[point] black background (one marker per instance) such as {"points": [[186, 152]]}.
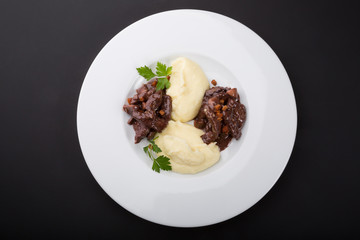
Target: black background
{"points": [[47, 191]]}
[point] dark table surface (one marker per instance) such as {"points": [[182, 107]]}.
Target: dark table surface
{"points": [[47, 191]]}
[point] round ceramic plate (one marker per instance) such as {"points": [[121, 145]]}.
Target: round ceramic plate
{"points": [[230, 53]]}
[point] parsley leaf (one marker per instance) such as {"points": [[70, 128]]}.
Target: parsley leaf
{"points": [[162, 83], [161, 162], [146, 72], [167, 84], [162, 72], [164, 162]]}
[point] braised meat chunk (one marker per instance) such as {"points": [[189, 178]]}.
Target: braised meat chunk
{"points": [[150, 110], [221, 116]]}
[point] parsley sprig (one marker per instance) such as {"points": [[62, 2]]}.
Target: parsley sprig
{"points": [[161, 162], [162, 73]]}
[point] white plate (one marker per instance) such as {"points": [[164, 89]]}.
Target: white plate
{"points": [[228, 52]]}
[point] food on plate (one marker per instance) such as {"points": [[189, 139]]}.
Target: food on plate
{"points": [[150, 110], [182, 143], [173, 96], [188, 85], [221, 116]]}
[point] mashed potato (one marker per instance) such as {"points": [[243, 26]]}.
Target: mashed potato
{"points": [[188, 153], [188, 85]]}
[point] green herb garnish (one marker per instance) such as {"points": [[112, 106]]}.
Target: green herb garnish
{"points": [[161, 162], [162, 73]]}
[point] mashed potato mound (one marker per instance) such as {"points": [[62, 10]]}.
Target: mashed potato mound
{"points": [[188, 85], [182, 143]]}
